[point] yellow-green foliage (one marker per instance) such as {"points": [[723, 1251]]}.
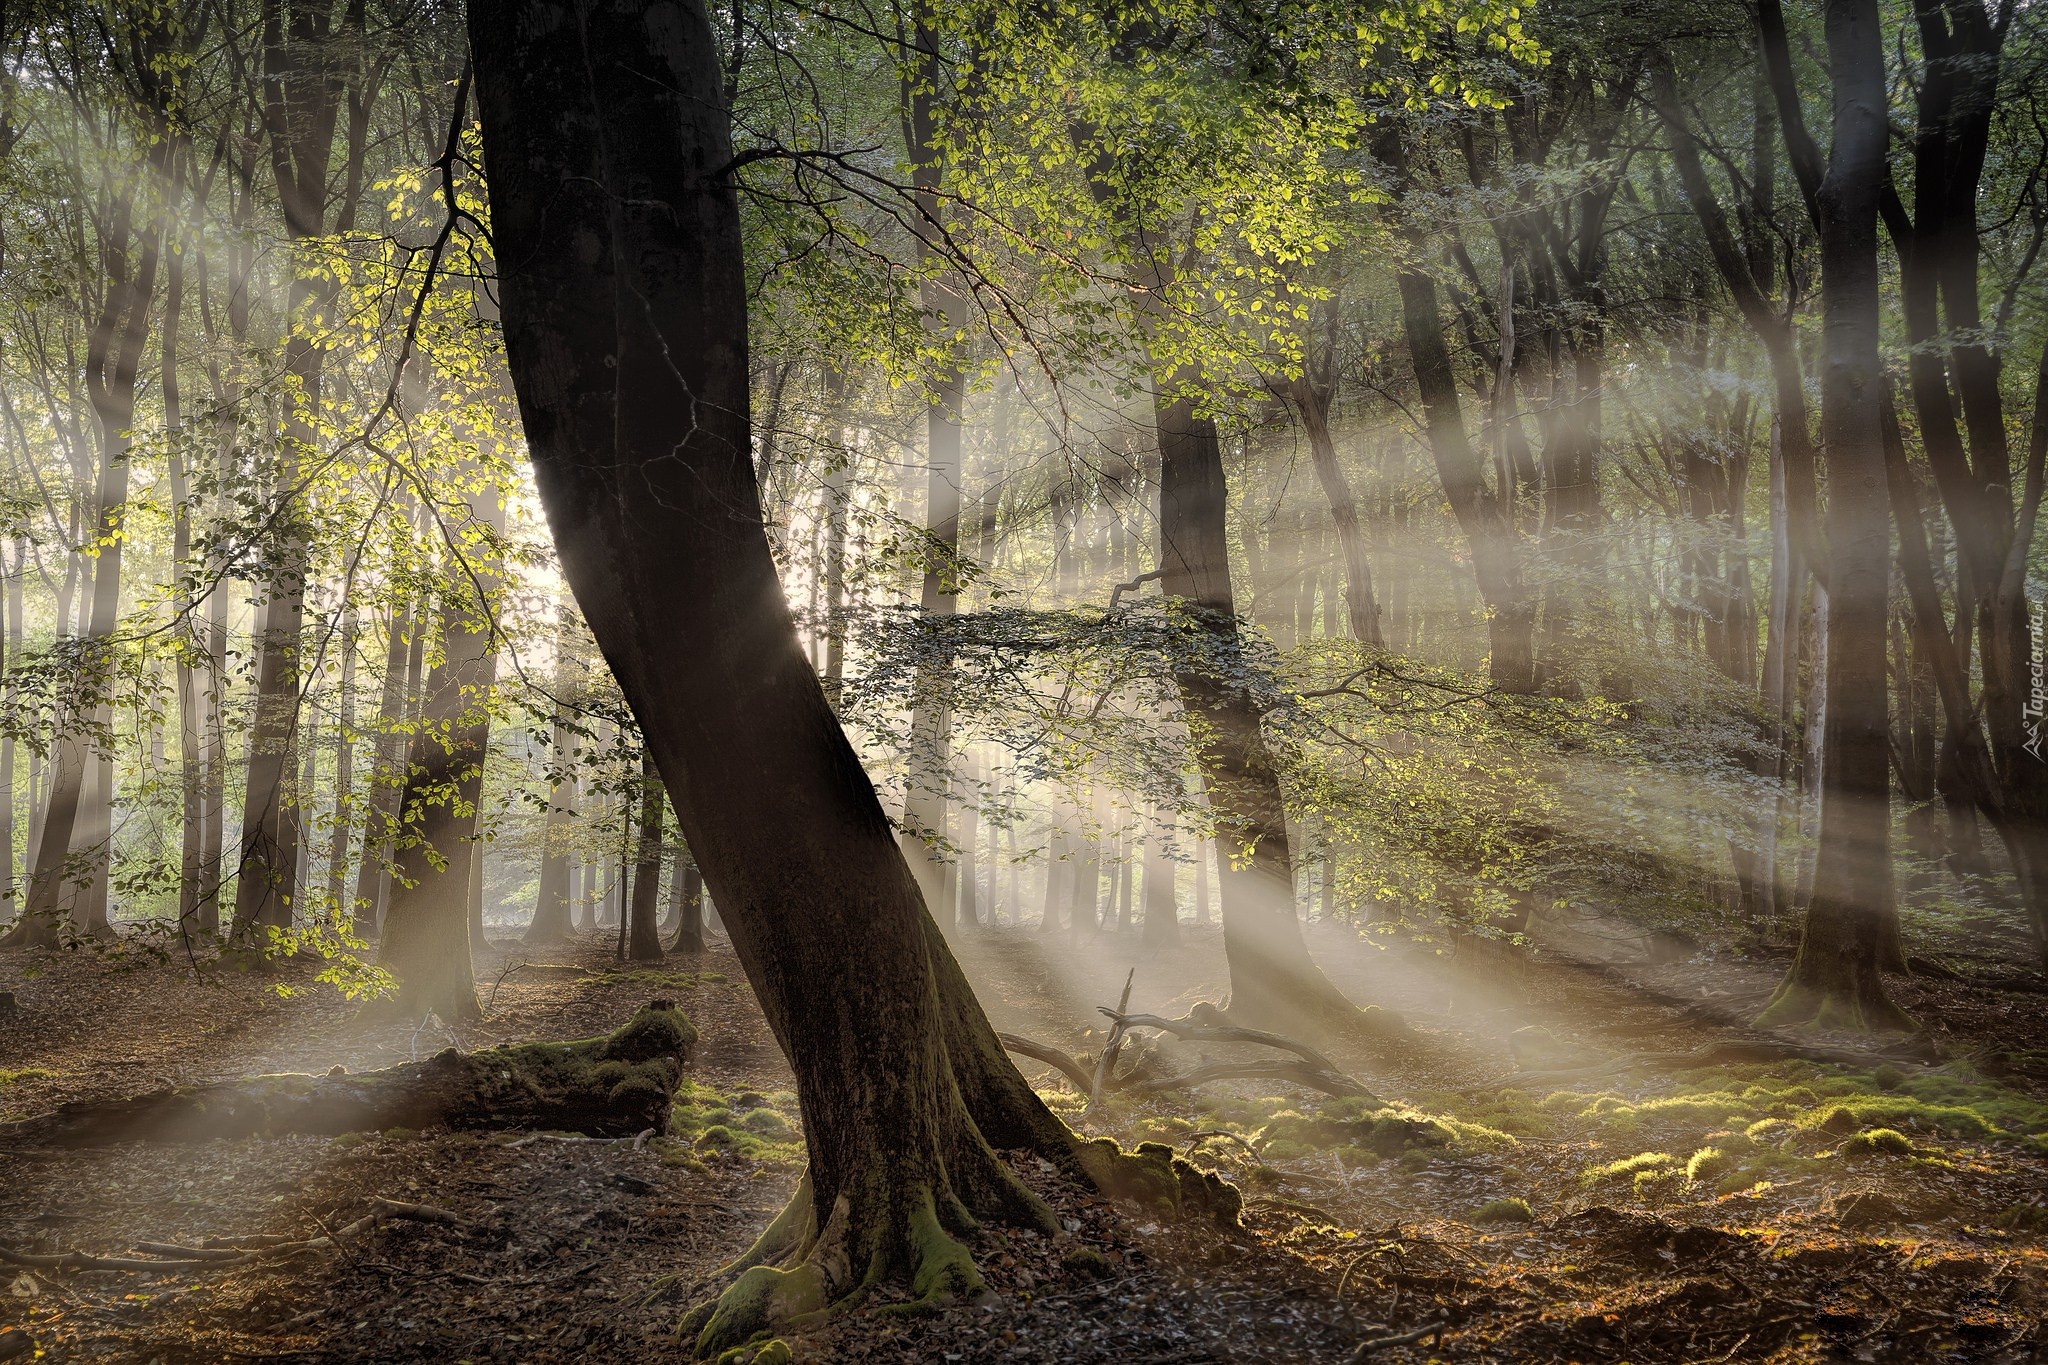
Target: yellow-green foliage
{"points": [[26, 1073]]}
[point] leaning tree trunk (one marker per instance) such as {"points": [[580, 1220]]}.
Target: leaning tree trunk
{"points": [[615, 1086], [604, 124], [1483, 514], [1837, 978], [426, 937]]}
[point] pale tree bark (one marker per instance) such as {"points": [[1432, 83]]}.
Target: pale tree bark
{"points": [[69, 873], [426, 938]]}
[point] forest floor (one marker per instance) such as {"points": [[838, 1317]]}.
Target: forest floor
{"points": [[1570, 1161]]}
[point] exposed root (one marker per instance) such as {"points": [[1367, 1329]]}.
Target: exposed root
{"points": [[798, 1272], [1153, 1176], [1850, 1010]]}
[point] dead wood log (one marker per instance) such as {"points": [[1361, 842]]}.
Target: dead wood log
{"points": [[1097, 1078], [1300, 1073], [1201, 1026], [613, 1086], [1051, 1056]]}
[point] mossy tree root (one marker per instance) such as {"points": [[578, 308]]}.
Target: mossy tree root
{"points": [[1850, 1007], [913, 1234]]}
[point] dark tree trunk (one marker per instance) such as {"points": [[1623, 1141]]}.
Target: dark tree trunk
{"points": [[967, 910], [925, 804], [312, 63], [644, 942], [129, 254], [626, 331], [344, 778], [1837, 977], [1274, 984]]}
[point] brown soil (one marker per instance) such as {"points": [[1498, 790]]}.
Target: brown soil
{"points": [[591, 1251]]}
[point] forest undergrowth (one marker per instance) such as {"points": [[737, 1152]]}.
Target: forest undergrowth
{"points": [[1590, 1172]]}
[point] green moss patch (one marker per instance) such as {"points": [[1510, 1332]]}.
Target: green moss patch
{"points": [[1505, 1211]]}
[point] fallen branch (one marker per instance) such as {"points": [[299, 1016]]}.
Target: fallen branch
{"points": [[1195, 1029], [1334, 1083], [1105, 1065], [1051, 1056], [1366, 1348], [1095, 1079]]}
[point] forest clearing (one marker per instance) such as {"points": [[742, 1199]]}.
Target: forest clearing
{"points": [[1513, 1207], [871, 680]]}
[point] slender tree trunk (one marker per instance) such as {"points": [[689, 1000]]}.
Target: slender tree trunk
{"points": [[344, 778], [645, 941], [687, 890], [1161, 907], [1837, 977], [308, 70], [967, 912], [553, 913], [1482, 513], [1361, 605], [426, 929], [387, 776], [129, 256], [1273, 981], [925, 805]]}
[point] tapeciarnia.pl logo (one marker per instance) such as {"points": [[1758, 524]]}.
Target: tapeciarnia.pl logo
{"points": [[2037, 693]]}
